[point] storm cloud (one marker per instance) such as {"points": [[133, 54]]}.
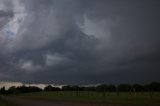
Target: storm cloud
{"points": [[80, 41]]}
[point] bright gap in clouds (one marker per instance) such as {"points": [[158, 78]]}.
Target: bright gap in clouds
{"points": [[12, 27], [98, 29]]}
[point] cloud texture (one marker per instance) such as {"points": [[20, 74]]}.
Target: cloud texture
{"points": [[80, 41]]}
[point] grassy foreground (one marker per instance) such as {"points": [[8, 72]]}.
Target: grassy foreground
{"points": [[124, 99], [6, 103]]}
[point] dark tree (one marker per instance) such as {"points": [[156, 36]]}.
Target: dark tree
{"points": [[2, 90], [111, 88], [138, 88], [102, 88], [50, 88], [12, 89], [70, 88], [124, 87], [154, 86]]}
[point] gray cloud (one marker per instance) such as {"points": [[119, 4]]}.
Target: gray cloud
{"points": [[6, 13], [4, 17], [78, 41]]}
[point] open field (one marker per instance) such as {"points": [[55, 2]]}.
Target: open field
{"points": [[2, 103], [99, 98], [6, 103]]}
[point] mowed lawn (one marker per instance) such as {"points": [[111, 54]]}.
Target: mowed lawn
{"points": [[6, 103], [124, 99], [2, 103]]}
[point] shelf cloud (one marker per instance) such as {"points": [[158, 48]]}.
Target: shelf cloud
{"points": [[79, 41]]}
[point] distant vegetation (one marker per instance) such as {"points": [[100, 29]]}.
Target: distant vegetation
{"points": [[152, 87], [116, 95]]}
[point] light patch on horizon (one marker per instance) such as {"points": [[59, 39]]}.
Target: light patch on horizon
{"points": [[7, 85]]}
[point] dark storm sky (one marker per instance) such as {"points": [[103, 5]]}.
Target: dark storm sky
{"points": [[80, 41]]}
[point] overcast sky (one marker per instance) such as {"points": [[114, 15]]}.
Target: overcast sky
{"points": [[80, 41]]}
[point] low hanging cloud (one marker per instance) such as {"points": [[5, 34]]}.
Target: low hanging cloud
{"points": [[29, 66], [55, 59], [75, 41]]}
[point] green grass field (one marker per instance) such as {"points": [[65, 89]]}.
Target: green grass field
{"points": [[124, 99], [6, 103], [2, 103]]}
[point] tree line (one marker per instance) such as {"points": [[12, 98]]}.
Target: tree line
{"points": [[152, 87]]}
